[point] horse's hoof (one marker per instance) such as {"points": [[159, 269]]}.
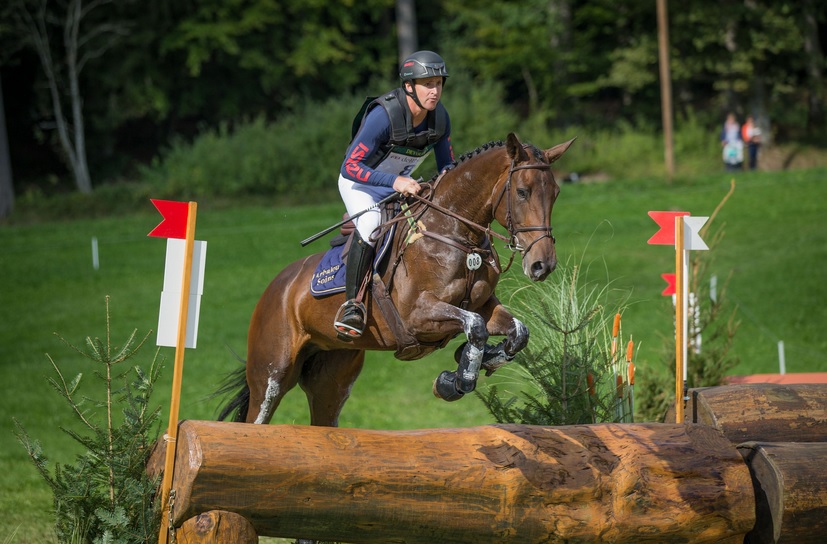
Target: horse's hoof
{"points": [[445, 387]]}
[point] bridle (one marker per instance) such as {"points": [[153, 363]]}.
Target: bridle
{"points": [[512, 243]]}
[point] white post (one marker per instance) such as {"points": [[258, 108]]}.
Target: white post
{"points": [[713, 288], [95, 261], [782, 364]]}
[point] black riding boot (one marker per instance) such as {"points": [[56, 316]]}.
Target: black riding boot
{"points": [[350, 320]]}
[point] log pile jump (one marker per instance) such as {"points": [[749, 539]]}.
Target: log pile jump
{"points": [[636, 482]]}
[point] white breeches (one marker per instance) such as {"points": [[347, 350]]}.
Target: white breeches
{"points": [[357, 199]]}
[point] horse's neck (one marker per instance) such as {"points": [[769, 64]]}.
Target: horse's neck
{"points": [[468, 189]]}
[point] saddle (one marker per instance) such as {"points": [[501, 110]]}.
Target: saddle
{"points": [[329, 276], [329, 279]]}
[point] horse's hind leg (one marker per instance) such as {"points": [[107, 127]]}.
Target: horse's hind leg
{"points": [[267, 389], [272, 370], [326, 379]]}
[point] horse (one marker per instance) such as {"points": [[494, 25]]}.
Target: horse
{"points": [[437, 282]]}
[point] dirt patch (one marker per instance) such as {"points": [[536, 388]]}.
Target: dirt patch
{"points": [[791, 157]]}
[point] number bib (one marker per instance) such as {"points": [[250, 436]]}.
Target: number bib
{"points": [[401, 161]]}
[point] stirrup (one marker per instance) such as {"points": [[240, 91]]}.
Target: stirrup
{"points": [[346, 331]]}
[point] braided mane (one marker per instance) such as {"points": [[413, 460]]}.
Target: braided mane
{"points": [[469, 155]]}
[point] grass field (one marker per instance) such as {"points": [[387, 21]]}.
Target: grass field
{"points": [[775, 247]]}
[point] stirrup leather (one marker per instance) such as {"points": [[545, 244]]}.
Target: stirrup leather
{"points": [[347, 331]]}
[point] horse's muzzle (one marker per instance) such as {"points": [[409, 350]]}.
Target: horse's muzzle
{"points": [[539, 270]]}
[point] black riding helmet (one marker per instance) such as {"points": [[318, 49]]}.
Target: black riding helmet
{"points": [[420, 65]]}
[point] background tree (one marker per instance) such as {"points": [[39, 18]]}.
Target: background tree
{"points": [[66, 37], [196, 65], [406, 30], [6, 185]]}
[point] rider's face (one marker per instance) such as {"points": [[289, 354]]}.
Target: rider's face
{"points": [[429, 91]]}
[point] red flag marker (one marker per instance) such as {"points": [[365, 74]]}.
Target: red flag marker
{"points": [[174, 223], [670, 288], [666, 222]]}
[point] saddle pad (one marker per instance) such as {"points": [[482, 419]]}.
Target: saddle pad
{"points": [[329, 276]]}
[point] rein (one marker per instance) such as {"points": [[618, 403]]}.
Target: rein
{"points": [[511, 241], [475, 253]]}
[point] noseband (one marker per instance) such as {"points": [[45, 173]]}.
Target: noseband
{"points": [[514, 244]]}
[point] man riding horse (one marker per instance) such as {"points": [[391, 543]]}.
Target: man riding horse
{"points": [[391, 141]]}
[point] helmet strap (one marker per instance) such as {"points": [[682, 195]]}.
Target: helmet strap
{"points": [[412, 92]]}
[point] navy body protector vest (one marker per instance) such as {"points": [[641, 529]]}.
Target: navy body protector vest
{"points": [[402, 131]]}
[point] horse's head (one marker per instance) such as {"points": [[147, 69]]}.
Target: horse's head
{"points": [[525, 203]]}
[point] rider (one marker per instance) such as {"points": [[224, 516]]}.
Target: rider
{"points": [[390, 143]]}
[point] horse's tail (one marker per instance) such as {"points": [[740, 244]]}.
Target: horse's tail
{"points": [[235, 383]]}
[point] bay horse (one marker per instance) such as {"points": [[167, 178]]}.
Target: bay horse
{"points": [[438, 282]]}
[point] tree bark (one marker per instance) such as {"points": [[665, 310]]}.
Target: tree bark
{"points": [[503, 483]]}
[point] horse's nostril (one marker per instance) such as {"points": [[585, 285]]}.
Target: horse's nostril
{"points": [[541, 269]]}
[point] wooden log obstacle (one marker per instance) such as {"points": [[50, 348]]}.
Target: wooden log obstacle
{"points": [[781, 430], [636, 482]]}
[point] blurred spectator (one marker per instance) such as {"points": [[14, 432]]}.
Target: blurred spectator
{"points": [[732, 143], [751, 134]]}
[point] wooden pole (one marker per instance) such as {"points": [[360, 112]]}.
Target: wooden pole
{"points": [[680, 319], [177, 376], [665, 87], [790, 491], [216, 527], [765, 412], [632, 482]]}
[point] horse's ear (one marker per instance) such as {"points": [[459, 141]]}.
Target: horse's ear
{"points": [[557, 151], [515, 148]]}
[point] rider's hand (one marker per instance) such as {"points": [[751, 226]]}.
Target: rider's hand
{"points": [[406, 186]]}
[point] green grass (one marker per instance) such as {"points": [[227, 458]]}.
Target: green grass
{"points": [[775, 246]]}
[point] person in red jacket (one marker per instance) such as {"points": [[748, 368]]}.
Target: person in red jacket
{"points": [[751, 135]]}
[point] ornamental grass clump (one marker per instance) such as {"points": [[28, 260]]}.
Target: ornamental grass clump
{"points": [[571, 372], [105, 496]]}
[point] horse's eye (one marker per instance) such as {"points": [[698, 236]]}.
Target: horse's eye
{"points": [[523, 194]]}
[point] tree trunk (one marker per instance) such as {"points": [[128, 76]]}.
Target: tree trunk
{"points": [[6, 181], [814, 62], [503, 483], [80, 166], [406, 29]]}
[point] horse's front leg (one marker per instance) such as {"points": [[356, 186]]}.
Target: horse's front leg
{"points": [[452, 386], [500, 322]]}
